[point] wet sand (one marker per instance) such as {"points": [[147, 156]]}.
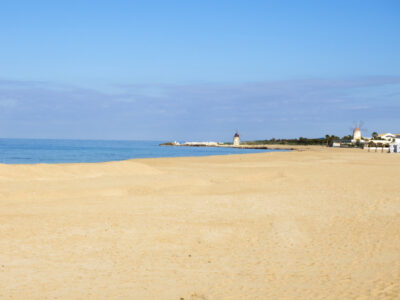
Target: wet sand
{"points": [[319, 223]]}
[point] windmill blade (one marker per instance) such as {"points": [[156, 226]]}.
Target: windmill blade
{"points": [[363, 129]]}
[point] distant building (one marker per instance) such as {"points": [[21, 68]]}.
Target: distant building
{"points": [[357, 134], [387, 136], [236, 139], [394, 146], [387, 142]]}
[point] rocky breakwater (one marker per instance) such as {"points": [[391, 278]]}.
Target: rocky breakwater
{"points": [[213, 144], [193, 144]]}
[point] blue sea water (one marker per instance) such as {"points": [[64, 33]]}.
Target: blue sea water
{"points": [[33, 151]]}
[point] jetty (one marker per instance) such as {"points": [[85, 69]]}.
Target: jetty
{"points": [[214, 144], [235, 144]]}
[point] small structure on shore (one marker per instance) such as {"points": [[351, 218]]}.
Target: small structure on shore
{"points": [[394, 147], [236, 139]]}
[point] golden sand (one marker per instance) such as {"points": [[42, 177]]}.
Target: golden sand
{"points": [[314, 224]]}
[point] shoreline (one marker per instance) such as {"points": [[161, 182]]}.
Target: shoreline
{"points": [[267, 147], [286, 148], [213, 154], [228, 146]]}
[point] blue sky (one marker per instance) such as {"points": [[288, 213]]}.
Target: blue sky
{"points": [[198, 69]]}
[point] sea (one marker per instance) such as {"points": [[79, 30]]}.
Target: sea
{"points": [[52, 151]]}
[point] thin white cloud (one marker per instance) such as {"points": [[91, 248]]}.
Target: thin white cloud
{"points": [[202, 110], [7, 103]]}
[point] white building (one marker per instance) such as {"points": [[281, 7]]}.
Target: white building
{"points": [[357, 135], [394, 147], [388, 141], [387, 136], [236, 139]]}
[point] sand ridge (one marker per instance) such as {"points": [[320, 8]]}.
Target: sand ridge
{"points": [[317, 223]]}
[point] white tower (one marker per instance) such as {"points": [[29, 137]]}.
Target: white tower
{"points": [[357, 134], [236, 139]]}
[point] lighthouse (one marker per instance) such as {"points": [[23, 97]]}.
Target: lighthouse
{"points": [[236, 139]]}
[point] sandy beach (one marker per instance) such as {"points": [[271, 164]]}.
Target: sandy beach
{"points": [[317, 223]]}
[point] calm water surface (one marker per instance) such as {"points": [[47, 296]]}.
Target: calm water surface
{"points": [[33, 151]]}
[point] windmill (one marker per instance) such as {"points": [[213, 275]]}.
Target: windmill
{"points": [[357, 129]]}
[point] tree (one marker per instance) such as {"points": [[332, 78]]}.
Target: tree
{"points": [[327, 139], [374, 135], [347, 137]]}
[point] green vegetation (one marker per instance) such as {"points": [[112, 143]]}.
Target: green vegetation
{"points": [[347, 137], [327, 140]]}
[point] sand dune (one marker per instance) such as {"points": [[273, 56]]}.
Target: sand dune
{"points": [[314, 224]]}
